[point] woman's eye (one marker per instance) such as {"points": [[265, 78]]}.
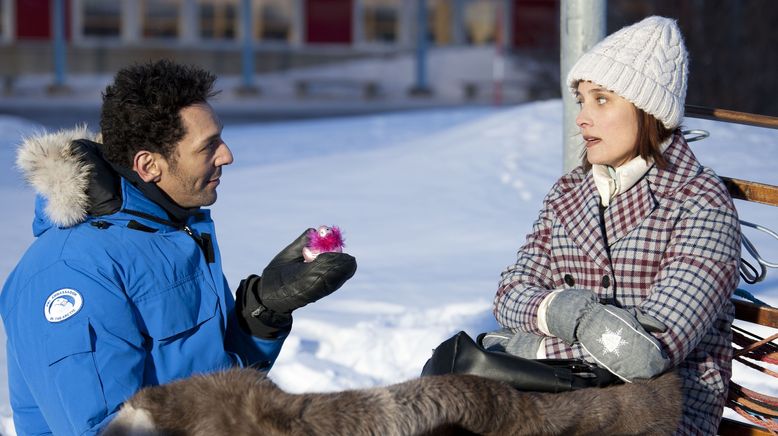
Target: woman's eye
{"points": [[601, 100]]}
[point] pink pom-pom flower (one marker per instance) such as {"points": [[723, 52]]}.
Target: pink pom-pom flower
{"points": [[322, 240]]}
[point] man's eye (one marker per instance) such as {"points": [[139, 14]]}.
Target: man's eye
{"points": [[602, 100]]}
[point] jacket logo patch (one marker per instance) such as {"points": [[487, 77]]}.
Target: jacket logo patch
{"points": [[62, 304]]}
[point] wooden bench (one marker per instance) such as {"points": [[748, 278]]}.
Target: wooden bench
{"points": [[326, 86], [749, 349]]}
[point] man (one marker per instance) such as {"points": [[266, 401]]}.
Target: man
{"points": [[123, 286]]}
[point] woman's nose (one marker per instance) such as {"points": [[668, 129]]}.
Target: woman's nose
{"points": [[583, 118]]}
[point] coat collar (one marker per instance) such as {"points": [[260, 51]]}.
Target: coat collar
{"points": [[578, 210], [578, 207], [682, 167], [73, 182], [149, 199]]}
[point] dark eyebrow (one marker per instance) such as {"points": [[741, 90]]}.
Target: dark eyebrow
{"points": [[213, 138]]}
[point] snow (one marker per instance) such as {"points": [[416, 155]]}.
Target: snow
{"points": [[432, 203]]}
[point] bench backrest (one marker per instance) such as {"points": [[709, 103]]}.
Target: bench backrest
{"points": [[751, 191]]}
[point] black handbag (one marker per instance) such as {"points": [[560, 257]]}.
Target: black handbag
{"points": [[461, 355]]}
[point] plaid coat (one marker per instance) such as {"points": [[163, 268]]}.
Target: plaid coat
{"points": [[669, 246]]}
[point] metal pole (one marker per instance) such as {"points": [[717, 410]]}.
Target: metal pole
{"points": [[59, 44], [420, 88], [581, 26], [248, 49]]}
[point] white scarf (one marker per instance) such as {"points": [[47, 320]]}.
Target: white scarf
{"points": [[611, 182]]}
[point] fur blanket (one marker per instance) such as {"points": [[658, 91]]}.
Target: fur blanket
{"points": [[246, 402]]}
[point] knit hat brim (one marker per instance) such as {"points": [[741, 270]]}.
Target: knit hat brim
{"points": [[640, 90]]}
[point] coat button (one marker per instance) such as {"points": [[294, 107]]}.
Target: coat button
{"points": [[569, 280], [606, 281]]}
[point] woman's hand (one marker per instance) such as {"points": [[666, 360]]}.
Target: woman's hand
{"points": [[616, 338]]}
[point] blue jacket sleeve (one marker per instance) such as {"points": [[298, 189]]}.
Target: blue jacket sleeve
{"points": [[69, 371], [27, 416]]}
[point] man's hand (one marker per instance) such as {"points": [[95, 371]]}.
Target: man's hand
{"points": [[264, 304], [289, 283]]}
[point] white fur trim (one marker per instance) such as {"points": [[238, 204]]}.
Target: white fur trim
{"points": [[57, 172], [133, 422]]}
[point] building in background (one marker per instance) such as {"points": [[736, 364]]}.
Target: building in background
{"points": [[103, 35], [732, 45]]}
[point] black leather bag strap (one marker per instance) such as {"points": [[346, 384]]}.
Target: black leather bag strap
{"points": [[461, 355]]}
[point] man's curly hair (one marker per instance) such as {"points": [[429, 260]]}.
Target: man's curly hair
{"points": [[141, 108]]}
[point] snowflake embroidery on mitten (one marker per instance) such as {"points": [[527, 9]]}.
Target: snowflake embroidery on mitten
{"points": [[611, 341]]}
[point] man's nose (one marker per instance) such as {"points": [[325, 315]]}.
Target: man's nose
{"points": [[224, 155]]}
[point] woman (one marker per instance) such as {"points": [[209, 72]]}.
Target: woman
{"points": [[634, 257]]}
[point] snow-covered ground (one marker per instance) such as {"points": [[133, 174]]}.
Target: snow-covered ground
{"points": [[433, 204]]}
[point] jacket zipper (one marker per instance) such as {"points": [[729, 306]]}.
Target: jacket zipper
{"points": [[203, 240]]}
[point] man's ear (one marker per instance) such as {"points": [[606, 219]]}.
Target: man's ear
{"points": [[148, 165]]}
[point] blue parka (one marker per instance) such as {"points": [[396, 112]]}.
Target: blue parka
{"points": [[96, 310]]}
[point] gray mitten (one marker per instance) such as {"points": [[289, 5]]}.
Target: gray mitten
{"points": [[617, 341], [651, 324], [566, 310], [520, 343]]}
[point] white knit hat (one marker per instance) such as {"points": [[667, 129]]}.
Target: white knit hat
{"points": [[646, 63]]}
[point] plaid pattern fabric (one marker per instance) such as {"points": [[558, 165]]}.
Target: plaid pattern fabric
{"points": [[673, 248]]}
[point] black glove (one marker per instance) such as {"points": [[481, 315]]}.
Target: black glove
{"points": [[288, 283], [254, 318]]}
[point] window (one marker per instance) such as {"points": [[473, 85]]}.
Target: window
{"points": [[160, 18], [380, 20], [218, 18], [273, 20], [439, 14], [480, 18], [101, 18]]}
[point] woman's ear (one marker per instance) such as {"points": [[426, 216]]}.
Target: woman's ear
{"points": [[148, 165]]}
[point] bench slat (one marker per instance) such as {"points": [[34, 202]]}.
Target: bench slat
{"points": [[731, 116], [752, 191], [750, 312]]}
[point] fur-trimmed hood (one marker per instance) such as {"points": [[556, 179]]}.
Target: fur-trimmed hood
{"points": [[74, 182], [59, 171]]}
